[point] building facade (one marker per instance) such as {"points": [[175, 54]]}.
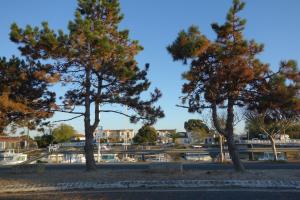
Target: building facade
{"points": [[9, 143], [165, 135], [21, 142], [119, 135], [78, 137], [182, 138]]}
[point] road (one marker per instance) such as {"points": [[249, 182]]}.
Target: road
{"points": [[181, 194], [186, 166]]}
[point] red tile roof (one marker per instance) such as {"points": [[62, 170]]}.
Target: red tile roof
{"points": [[10, 139]]}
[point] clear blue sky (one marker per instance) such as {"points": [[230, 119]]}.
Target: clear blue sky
{"points": [[155, 23]]}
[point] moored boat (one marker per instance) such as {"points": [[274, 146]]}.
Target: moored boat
{"points": [[11, 158]]}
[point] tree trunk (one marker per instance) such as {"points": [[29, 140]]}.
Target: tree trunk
{"points": [[274, 148], [234, 154], [221, 148], [228, 133], [233, 151], [89, 146], [89, 150]]}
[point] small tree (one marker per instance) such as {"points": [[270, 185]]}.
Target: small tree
{"points": [[223, 73], [146, 135], [197, 128], [44, 140], [63, 133], [222, 123], [24, 96], [97, 61]]}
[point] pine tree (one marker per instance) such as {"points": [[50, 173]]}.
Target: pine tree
{"points": [[24, 96], [223, 73], [276, 106], [97, 62]]}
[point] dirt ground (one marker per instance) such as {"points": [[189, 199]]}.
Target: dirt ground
{"points": [[59, 176]]}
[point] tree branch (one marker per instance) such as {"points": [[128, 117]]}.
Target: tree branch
{"points": [[216, 120], [118, 112], [202, 107], [121, 113], [64, 120], [70, 112]]}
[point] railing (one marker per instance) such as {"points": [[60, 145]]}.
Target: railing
{"points": [[289, 142], [81, 144], [72, 144], [266, 142]]}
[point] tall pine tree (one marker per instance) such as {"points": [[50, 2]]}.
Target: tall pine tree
{"points": [[97, 61], [223, 73]]}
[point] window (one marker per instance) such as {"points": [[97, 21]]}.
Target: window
{"points": [[2, 145]]}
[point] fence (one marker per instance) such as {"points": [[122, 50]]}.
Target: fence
{"points": [[286, 142]]}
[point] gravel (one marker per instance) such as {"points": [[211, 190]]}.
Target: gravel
{"points": [[42, 176]]}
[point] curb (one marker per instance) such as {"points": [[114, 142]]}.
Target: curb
{"points": [[259, 184]]}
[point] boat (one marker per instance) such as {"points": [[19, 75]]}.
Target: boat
{"points": [[108, 158], [11, 158], [66, 158], [198, 157], [157, 158], [270, 156], [128, 159]]}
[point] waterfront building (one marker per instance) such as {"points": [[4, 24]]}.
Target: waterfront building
{"points": [[165, 135]]}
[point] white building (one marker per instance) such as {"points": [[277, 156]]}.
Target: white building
{"points": [[119, 135], [165, 135], [182, 138]]}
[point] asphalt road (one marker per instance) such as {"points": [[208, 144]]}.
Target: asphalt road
{"points": [[185, 194]]}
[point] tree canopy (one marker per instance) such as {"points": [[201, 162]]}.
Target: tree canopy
{"points": [[276, 108], [44, 140], [24, 96], [146, 135], [277, 102], [63, 133]]}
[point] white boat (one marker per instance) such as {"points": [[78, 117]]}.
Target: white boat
{"points": [[110, 158], [198, 157], [75, 158], [128, 159], [157, 158], [270, 156], [12, 158], [105, 147], [66, 158]]}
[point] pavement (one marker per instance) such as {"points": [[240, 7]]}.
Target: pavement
{"points": [[158, 189], [151, 184], [161, 194]]}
